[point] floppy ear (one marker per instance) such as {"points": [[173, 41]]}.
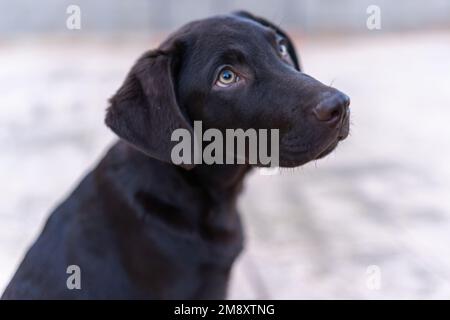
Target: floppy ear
{"points": [[266, 23], [144, 111]]}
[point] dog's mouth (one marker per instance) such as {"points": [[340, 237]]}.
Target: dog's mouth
{"points": [[295, 154], [343, 134], [327, 150]]}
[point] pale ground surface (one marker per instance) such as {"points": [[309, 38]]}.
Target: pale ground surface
{"points": [[383, 198]]}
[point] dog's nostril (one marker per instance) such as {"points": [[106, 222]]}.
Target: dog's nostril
{"points": [[332, 108], [328, 111], [335, 114]]}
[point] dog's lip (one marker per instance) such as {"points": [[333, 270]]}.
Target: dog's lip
{"points": [[328, 149], [344, 130], [345, 127], [343, 133]]}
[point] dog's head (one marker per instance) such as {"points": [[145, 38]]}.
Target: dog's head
{"points": [[232, 71]]}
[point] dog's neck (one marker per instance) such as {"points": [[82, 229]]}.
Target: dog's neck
{"points": [[203, 198], [221, 178], [221, 185]]}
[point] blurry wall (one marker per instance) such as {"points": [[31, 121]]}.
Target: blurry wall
{"points": [[118, 16]]}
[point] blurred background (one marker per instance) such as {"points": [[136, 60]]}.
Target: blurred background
{"points": [[370, 221]]}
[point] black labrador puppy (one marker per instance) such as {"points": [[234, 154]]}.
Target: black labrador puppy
{"points": [[140, 227]]}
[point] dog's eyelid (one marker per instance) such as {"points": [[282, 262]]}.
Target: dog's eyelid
{"points": [[272, 31], [277, 40], [276, 35], [238, 76], [282, 41], [238, 71], [272, 36]]}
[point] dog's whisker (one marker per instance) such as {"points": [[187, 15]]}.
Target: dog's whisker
{"points": [[332, 82]]}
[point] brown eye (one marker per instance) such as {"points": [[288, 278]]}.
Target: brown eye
{"points": [[226, 78]]}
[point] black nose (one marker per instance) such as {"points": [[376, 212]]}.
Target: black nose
{"points": [[332, 109]]}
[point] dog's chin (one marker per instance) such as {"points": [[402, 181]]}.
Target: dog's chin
{"points": [[297, 160], [343, 134], [306, 157], [327, 150]]}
